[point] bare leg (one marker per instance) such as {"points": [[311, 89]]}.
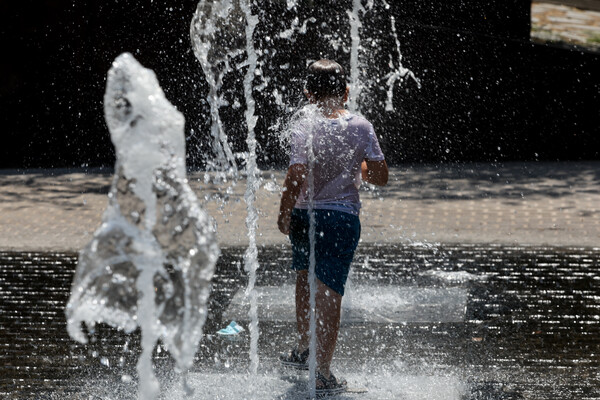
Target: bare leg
{"points": [[329, 305], [303, 310]]}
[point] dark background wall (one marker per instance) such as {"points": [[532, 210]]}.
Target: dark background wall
{"points": [[488, 93]]}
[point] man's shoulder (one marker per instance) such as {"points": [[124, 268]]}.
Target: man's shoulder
{"points": [[359, 122]]}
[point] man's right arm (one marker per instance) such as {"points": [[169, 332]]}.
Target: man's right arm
{"points": [[291, 190]]}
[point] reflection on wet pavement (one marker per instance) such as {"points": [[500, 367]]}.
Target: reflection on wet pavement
{"points": [[364, 303], [518, 323]]}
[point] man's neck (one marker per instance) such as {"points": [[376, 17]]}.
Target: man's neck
{"points": [[332, 111]]}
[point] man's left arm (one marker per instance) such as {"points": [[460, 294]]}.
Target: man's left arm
{"points": [[375, 172]]}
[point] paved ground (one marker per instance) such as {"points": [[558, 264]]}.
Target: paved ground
{"points": [[556, 204], [566, 24], [504, 307], [448, 322]]}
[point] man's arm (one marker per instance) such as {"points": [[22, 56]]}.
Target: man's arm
{"points": [[375, 172], [291, 190]]}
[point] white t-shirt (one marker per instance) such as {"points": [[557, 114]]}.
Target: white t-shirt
{"points": [[339, 145]]}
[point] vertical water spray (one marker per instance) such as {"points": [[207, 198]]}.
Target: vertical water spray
{"points": [[252, 184], [296, 27], [150, 263], [312, 360], [221, 31], [356, 84], [306, 120], [217, 38], [398, 71]]}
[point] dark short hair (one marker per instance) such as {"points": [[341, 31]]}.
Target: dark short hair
{"points": [[326, 78]]}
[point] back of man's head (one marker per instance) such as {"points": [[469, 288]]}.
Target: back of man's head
{"points": [[326, 78]]}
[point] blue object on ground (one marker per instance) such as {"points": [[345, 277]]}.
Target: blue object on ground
{"points": [[232, 329]]}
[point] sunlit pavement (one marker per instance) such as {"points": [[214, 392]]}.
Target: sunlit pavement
{"points": [[477, 282], [556, 204], [562, 23]]}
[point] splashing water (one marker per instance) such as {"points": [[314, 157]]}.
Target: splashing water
{"points": [[312, 359], [217, 35], [309, 117], [252, 185], [221, 31], [348, 303], [398, 71], [356, 85], [150, 263]]}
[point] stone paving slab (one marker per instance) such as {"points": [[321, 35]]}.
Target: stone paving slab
{"points": [[555, 204]]}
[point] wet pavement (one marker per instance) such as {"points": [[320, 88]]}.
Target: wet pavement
{"points": [[520, 323], [472, 281]]}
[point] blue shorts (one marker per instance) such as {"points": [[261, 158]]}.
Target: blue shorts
{"points": [[336, 238]]}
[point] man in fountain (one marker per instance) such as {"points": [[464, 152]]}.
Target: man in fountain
{"points": [[331, 149]]}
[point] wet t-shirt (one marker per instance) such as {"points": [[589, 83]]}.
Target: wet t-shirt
{"points": [[339, 147]]}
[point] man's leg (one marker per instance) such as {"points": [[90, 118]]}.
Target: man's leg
{"points": [[302, 310], [329, 305]]}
